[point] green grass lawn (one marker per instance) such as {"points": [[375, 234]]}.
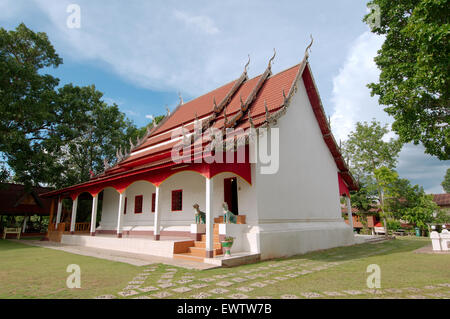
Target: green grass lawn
{"points": [[34, 272]]}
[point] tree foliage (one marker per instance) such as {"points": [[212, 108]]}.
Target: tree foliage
{"points": [[415, 72], [366, 150], [52, 135], [446, 182]]}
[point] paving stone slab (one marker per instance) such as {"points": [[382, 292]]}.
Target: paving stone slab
{"points": [[238, 296], [162, 294], [393, 290], [147, 289], [182, 289], [128, 293], [333, 293], [207, 279], [224, 283], [136, 282], [354, 292], [311, 295], [258, 284], [184, 281], [239, 279], [263, 297], [202, 295], [245, 289], [131, 287], [166, 285], [199, 286], [219, 291], [106, 297], [289, 297], [280, 278]]}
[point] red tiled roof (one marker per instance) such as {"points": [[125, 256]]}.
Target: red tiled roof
{"points": [[442, 199], [264, 89]]}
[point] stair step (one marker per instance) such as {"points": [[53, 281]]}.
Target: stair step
{"points": [[199, 251], [202, 244], [187, 256], [215, 237]]}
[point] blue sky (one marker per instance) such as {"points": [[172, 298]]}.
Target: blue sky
{"points": [[142, 53]]}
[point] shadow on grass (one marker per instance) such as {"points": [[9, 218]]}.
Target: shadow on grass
{"points": [[9, 245], [360, 251]]}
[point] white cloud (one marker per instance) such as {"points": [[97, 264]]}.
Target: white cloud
{"points": [[149, 116], [352, 103], [351, 97], [202, 23]]}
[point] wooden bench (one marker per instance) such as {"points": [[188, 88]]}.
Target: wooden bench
{"points": [[12, 231], [379, 230]]}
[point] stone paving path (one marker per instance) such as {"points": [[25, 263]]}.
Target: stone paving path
{"points": [[238, 284]]}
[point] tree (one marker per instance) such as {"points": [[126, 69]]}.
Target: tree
{"points": [[446, 182], [97, 133], [47, 135], [366, 150], [386, 186], [415, 72], [403, 201]]}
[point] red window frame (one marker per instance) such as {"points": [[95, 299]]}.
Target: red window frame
{"points": [[138, 201], [153, 202], [177, 203], [125, 206]]}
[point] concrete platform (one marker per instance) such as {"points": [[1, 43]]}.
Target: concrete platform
{"points": [[236, 259], [130, 244], [118, 256]]}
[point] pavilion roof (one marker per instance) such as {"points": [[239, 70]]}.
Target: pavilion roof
{"points": [[16, 200], [242, 103]]}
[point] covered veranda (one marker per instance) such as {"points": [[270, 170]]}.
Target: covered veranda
{"points": [[154, 180]]}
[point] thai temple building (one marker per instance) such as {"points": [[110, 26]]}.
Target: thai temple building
{"points": [[256, 156]]}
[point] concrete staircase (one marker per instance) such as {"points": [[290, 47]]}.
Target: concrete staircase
{"points": [[198, 251]]}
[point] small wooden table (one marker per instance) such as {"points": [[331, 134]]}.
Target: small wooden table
{"points": [[11, 231]]}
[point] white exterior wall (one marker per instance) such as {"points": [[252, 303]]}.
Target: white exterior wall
{"points": [[298, 207], [193, 186], [110, 205]]}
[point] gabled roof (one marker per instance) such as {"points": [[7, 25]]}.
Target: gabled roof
{"points": [[442, 199], [16, 200], [241, 103]]}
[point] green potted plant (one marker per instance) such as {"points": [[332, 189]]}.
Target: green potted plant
{"points": [[226, 245]]}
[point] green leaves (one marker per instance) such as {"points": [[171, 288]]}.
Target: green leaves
{"points": [[50, 136], [446, 182], [415, 72], [367, 151]]}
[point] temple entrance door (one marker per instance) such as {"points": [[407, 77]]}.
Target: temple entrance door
{"points": [[231, 194]]}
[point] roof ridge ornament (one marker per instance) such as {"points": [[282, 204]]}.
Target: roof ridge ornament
{"points": [[247, 64], [216, 109], [225, 119], [285, 99], [243, 108], [269, 66], [168, 110], [181, 98], [308, 48], [267, 111], [250, 120]]}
